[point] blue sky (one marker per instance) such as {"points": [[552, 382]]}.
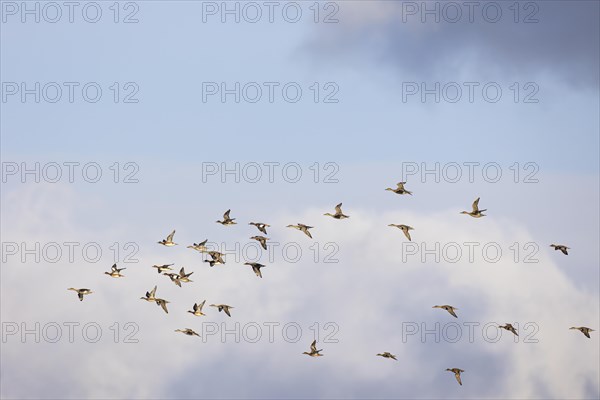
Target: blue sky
{"points": [[368, 136]]}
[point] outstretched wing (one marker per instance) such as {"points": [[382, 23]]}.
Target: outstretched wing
{"points": [[226, 215], [338, 209], [476, 205], [457, 375], [170, 237], [313, 346], [406, 233]]}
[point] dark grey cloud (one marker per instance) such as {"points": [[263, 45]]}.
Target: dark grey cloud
{"points": [[563, 42]]}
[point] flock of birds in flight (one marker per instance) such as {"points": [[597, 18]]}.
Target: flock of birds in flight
{"points": [[217, 258]]}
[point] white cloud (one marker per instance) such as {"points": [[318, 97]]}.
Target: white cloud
{"points": [[368, 294]]}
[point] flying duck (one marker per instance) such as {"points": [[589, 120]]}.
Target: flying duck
{"points": [[223, 307], [115, 272], [302, 228], [400, 189], [476, 213], [261, 227], [404, 229], [338, 213], [313, 350], [448, 308], [227, 220], [81, 292], [169, 240], [256, 268]]}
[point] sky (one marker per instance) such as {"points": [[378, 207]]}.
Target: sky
{"points": [[279, 111]]}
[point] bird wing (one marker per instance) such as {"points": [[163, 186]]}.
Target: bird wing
{"points": [[476, 205], [451, 311], [201, 305], [338, 209], [170, 237], [226, 215], [257, 271], [406, 233], [163, 304], [586, 333], [114, 268], [226, 309], [153, 292], [80, 295], [457, 375], [313, 346]]}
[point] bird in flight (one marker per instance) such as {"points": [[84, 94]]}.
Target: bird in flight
{"points": [[400, 189], [81, 292], [262, 240], [162, 268], [256, 268], [217, 258], [115, 272], [561, 247], [313, 350], [338, 213], [302, 228], [387, 355], [163, 303], [476, 213], [509, 328], [457, 373], [226, 220], [174, 278], [201, 247], [448, 308], [223, 307], [261, 227], [187, 331], [197, 309], [169, 240], [150, 296], [586, 331], [404, 229]]}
